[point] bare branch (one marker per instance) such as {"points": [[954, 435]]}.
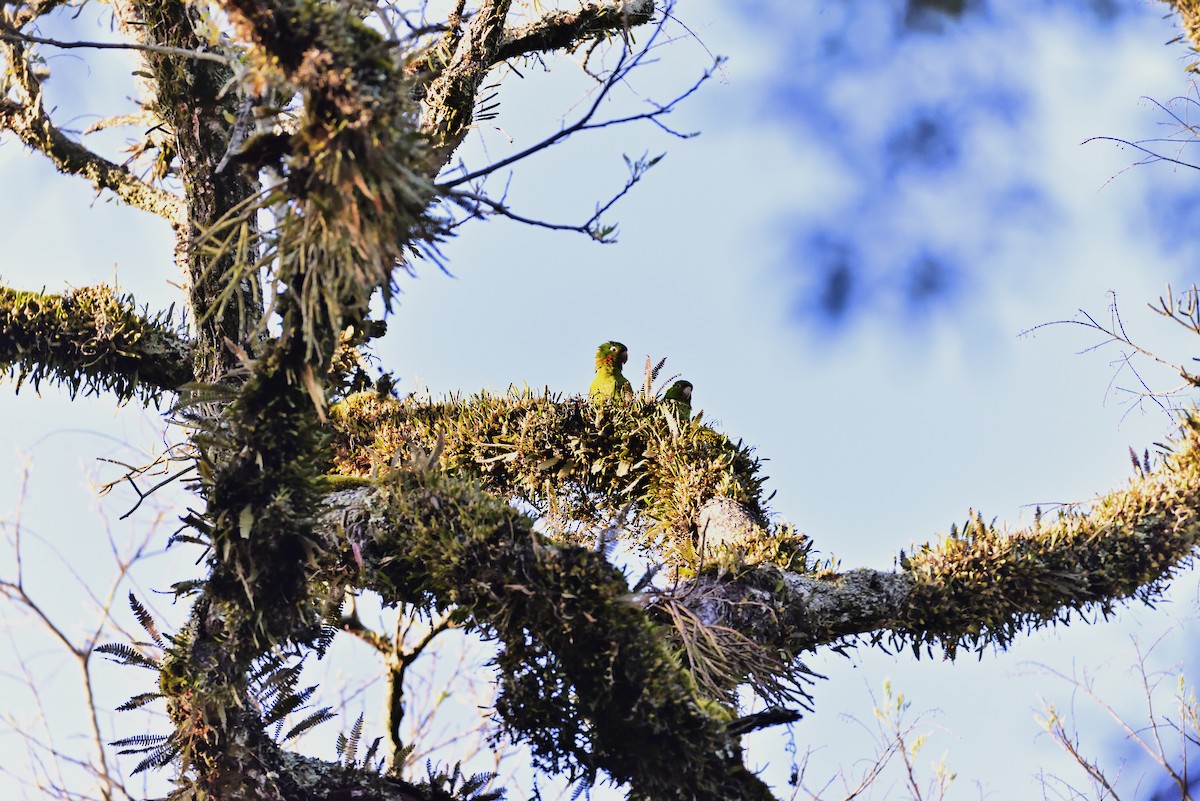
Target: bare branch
{"points": [[199, 55], [587, 121], [1182, 311], [480, 205]]}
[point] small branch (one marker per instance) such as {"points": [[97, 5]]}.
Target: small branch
{"points": [[585, 122], [199, 55], [138, 472], [1182, 312], [479, 205], [32, 125]]}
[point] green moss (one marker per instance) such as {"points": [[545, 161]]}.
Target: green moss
{"points": [[580, 465], [333, 483]]}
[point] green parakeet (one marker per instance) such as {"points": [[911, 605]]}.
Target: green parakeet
{"points": [[679, 400], [609, 382]]}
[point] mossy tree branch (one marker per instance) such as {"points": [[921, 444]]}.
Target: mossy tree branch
{"points": [[449, 98], [978, 588], [567, 30], [92, 340], [554, 30], [586, 679], [581, 466]]}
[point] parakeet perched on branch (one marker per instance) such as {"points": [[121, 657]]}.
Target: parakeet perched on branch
{"points": [[609, 382], [679, 400]]}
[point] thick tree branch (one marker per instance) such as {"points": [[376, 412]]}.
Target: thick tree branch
{"points": [[581, 465], [981, 587], [94, 340], [429, 538], [449, 99], [555, 30], [566, 30], [585, 677]]}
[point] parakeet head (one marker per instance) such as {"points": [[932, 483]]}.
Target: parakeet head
{"points": [[680, 391], [611, 355]]}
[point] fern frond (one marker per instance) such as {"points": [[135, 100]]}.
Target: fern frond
{"points": [[288, 704], [158, 758], [315, 719], [652, 371], [350, 754], [139, 700], [140, 743], [372, 751], [126, 655], [453, 783], [145, 619], [274, 681]]}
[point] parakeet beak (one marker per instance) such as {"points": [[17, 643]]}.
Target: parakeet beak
{"points": [[687, 393]]}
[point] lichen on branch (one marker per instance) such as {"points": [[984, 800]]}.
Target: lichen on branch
{"points": [[23, 112]]}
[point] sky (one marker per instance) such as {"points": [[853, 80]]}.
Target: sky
{"points": [[882, 200]]}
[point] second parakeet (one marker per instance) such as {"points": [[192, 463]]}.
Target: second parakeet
{"points": [[609, 381], [678, 398]]}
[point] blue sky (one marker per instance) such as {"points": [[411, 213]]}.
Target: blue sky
{"points": [[843, 263]]}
